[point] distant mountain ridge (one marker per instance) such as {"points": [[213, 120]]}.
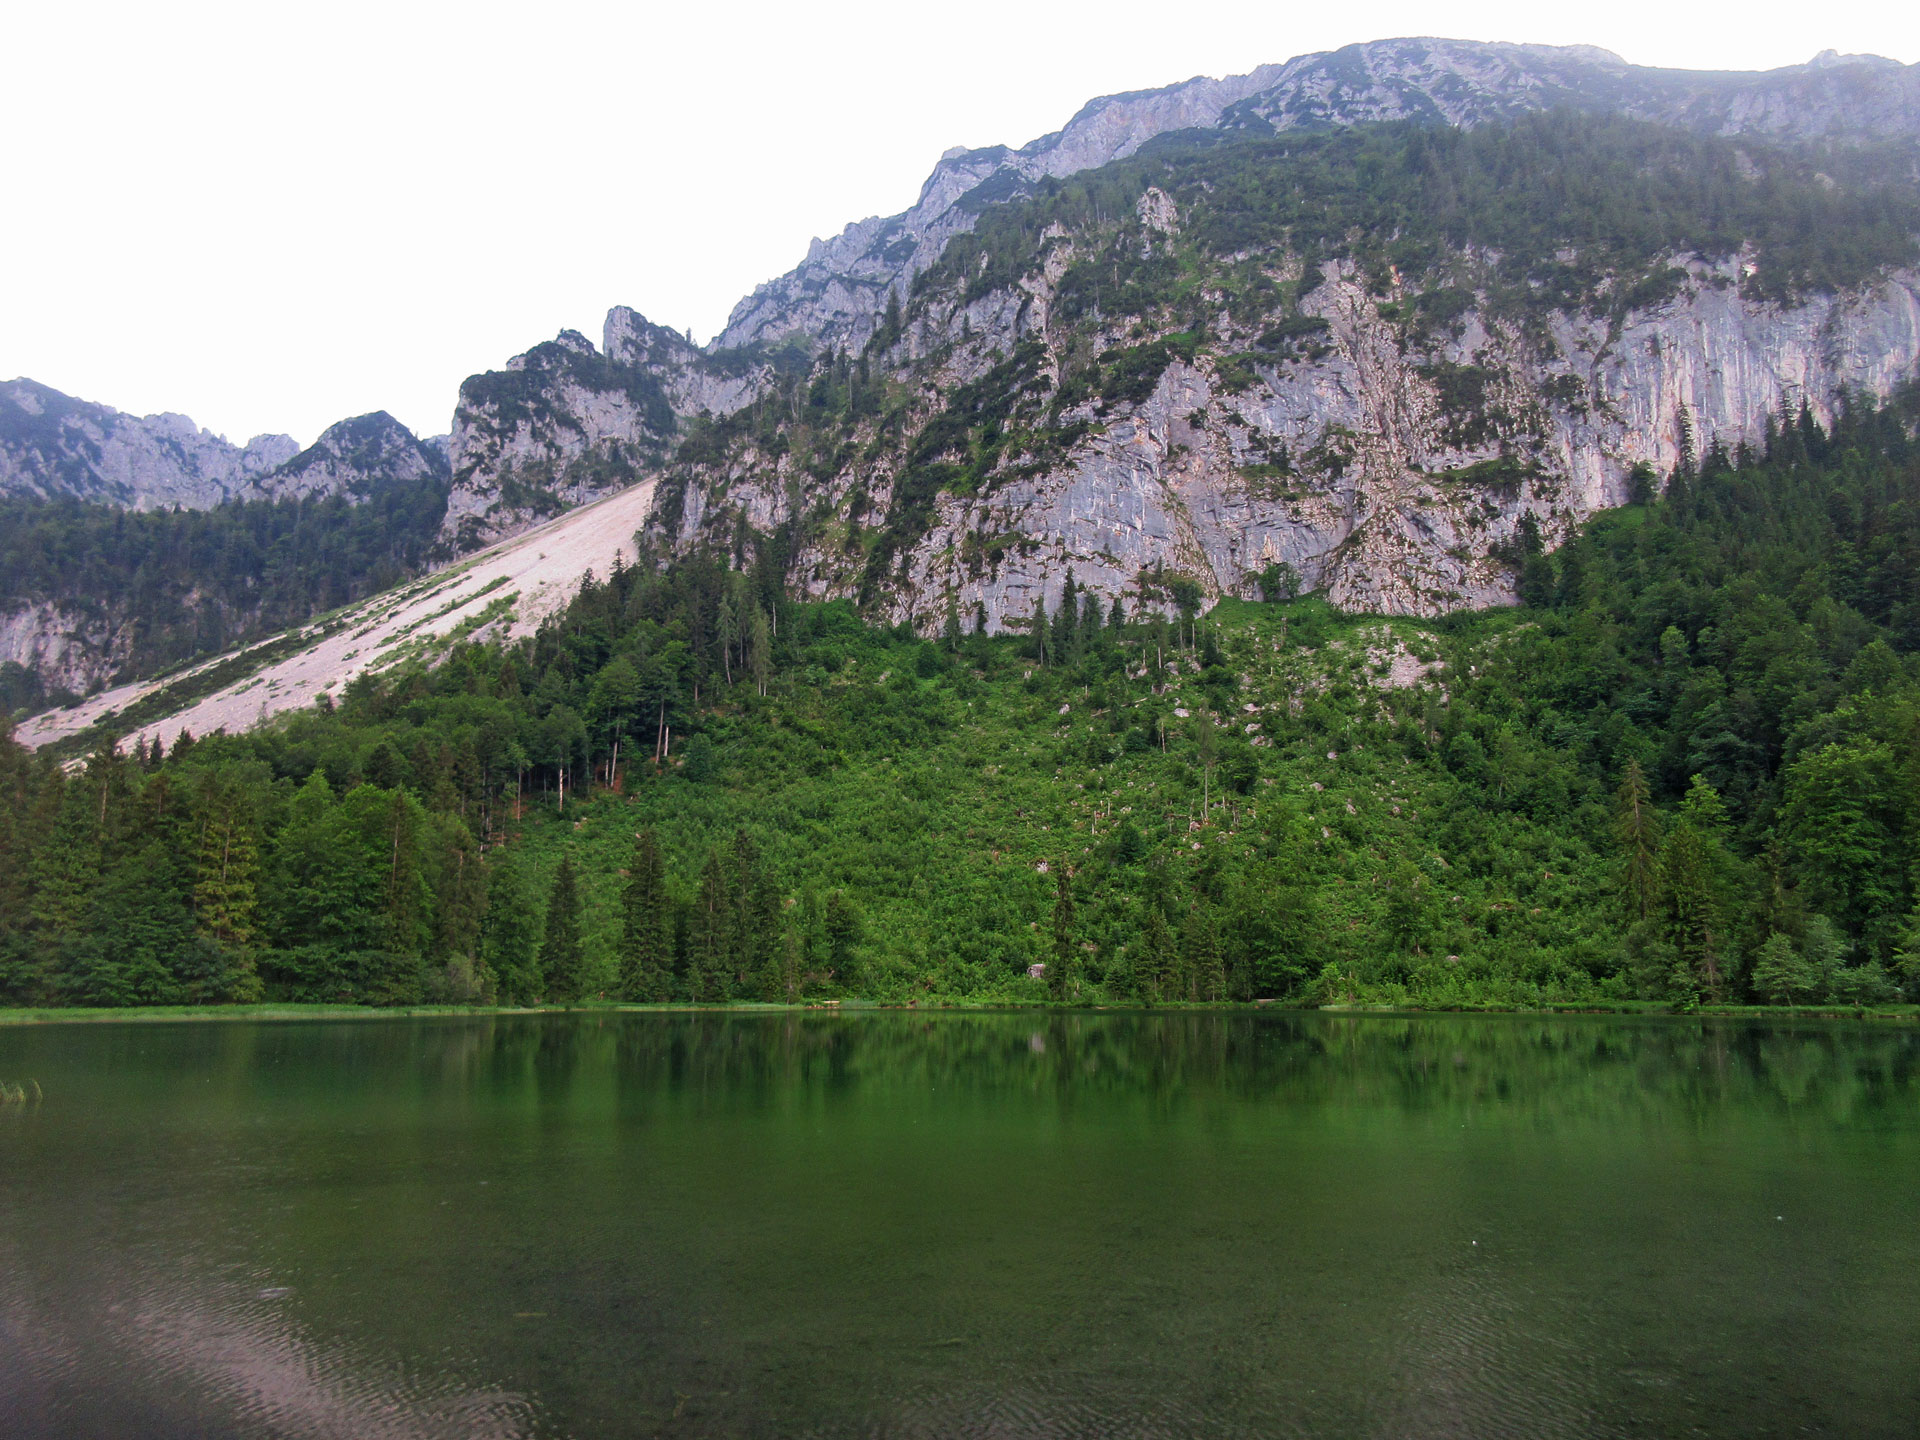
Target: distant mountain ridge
{"points": [[53, 446], [837, 294]]}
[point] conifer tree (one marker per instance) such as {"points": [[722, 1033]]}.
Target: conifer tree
{"points": [[1205, 965], [67, 861], [708, 941], [1066, 620], [1155, 969], [1691, 923], [1060, 969], [460, 909], [509, 941], [646, 940], [1634, 826], [226, 893], [562, 957]]}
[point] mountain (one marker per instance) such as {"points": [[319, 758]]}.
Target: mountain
{"points": [[838, 293], [353, 456], [1383, 321], [1618, 381], [54, 445]]}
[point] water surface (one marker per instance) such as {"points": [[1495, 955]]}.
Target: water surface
{"points": [[981, 1225]]}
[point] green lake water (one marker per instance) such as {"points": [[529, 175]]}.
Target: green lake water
{"points": [[961, 1225]]}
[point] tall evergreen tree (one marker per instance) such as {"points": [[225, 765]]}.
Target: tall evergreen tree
{"points": [[1063, 966], [1691, 922], [709, 942], [1154, 971], [1636, 830], [226, 884], [562, 956], [1205, 965], [646, 936], [509, 935]]}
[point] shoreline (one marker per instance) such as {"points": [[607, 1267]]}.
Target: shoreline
{"points": [[297, 1011]]}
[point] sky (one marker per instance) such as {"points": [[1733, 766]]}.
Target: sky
{"points": [[274, 216]]}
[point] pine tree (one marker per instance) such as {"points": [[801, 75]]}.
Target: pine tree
{"points": [[1154, 971], [1205, 966], [760, 649], [1061, 968], [1635, 827], [1691, 922], [1781, 973], [646, 938], [226, 888], [67, 860], [509, 944], [708, 942], [1066, 621], [460, 910], [562, 958]]}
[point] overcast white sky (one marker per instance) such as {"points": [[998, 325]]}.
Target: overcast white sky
{"points": [[272, 216]]}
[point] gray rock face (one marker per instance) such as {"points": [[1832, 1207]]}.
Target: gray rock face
{"points": [[68, 650], [560, 425], [566, 423], [352, 457], [838, 293], [1347, 464], [54, 445]]}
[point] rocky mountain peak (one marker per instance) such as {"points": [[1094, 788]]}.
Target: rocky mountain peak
{"points": [[351, 457], [52, 444]]}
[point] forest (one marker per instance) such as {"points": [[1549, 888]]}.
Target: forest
{"points": [[1685, 770], [177, 585]]}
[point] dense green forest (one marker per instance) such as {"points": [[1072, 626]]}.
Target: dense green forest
{"points": [[1686, 769], [183, 584]]}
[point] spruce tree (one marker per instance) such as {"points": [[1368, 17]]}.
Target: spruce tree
{"points": [[1154, 970], [226, 888], [509, 943], [1691, 922], [708, 941], [646, 938], [1634, 826], [1205, 965], [1061, 968], [562, 957]]}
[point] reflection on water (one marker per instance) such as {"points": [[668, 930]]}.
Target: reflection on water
{"points": [[994, 1225]]}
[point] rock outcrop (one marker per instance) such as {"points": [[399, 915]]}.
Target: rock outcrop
{"points": [[353, 456], [1382, 496], [54, 445], [837, 295]]}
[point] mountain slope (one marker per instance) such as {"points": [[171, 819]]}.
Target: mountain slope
{"points": [[580, 435], [1390, 359], [838, 293], [54, 445], [505, 591]]}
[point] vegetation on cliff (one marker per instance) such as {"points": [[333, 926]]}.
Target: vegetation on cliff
{"points": [[1688, 767]]}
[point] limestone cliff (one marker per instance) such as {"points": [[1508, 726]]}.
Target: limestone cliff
{"points": [[54, 445], [837, 295], [351, 457], [1226, 404]]}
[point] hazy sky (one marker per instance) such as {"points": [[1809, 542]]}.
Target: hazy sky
{"points": [[272, 216]]}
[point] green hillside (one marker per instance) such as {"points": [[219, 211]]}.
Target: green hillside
{"points": [[1688, 768]]}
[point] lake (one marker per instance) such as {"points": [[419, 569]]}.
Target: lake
{"points": [[894, 1224]]}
